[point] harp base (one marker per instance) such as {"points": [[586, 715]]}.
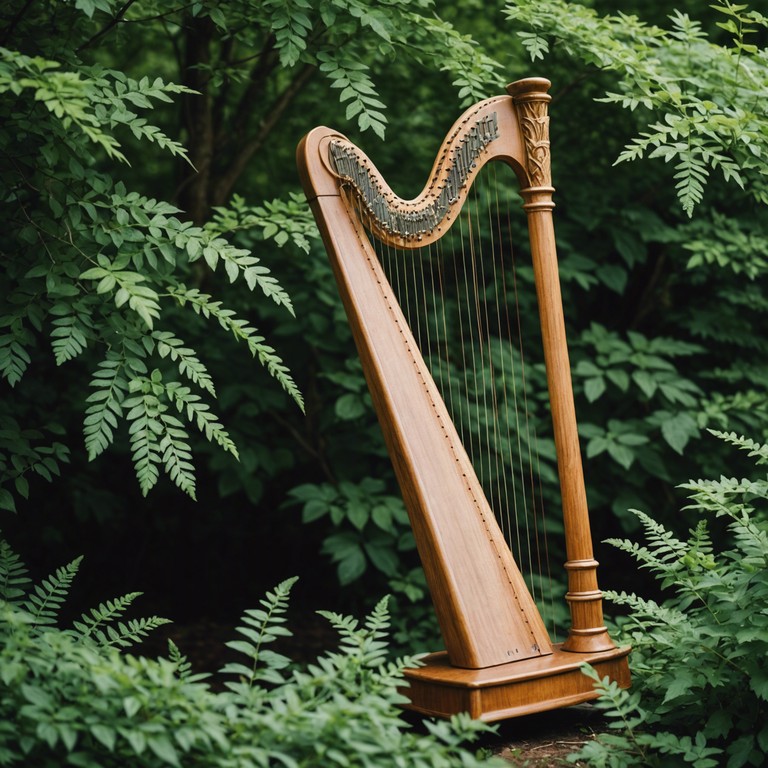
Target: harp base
{"points": [[510, 690]]}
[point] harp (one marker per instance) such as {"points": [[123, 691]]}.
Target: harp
{"points": [[499, 660]]}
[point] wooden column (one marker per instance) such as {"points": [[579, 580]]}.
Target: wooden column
{"points": [[587, 633]]}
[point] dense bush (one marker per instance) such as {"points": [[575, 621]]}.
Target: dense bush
{"points": [[700, 657], [120, 312], [73, 696], [657, 183]]}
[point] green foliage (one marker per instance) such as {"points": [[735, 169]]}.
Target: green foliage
{"points": [[100, 271], [701, 124], [371, 526], [699, 659], [632, 745], [38, 609], [261, 626], [72, 696], [665, 321]]}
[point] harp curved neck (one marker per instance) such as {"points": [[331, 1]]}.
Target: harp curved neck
{"points": [[487, 131]]}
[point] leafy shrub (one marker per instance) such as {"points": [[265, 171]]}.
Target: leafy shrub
{"points": [[106, 276], [700, 658], [72, 696], [660, 244]]}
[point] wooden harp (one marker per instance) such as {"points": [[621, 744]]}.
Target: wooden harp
{"points": [[499, 660]]}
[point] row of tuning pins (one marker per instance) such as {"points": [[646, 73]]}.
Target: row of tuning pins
{"points": [[415, 224]]}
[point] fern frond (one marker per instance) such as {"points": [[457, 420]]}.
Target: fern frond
{"points": [[692, 174], [650, 611], [158, 438], [366, 644], [237, 261], [277, 369], [745, 444], [177, 454], [106, 612], [68, 337], [281, 220], [105, 404], [199, 413], [616, 702], [751, 539], [700, 541], [126, 635], [665, 548], [108, 275], [183, 667], [203, 305], [727, 496], [672, 560], [45, 601], [350, 75], [13, 574], [169, 345], [14, 357], [145, 427], [346, 626], [260, 626]]}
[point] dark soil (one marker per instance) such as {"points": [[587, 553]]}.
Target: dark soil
{"points": [[546, 739]]}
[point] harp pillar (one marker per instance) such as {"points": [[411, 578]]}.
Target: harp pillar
{"points": [[587, 633]]}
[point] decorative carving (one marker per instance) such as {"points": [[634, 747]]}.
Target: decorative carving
{"points": [[406, 219], [534, 124]]}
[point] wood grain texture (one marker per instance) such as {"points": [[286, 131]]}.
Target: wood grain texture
{"points": [[511, 690]]}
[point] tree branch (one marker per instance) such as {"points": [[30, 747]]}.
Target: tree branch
{"points": [[267, 61], [15, 20], [113, 23], [224, 184], [197, 117]]}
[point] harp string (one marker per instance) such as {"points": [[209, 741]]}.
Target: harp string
{"points": [[547, 590], [509, 498], [456, 297], [524, 544], [476, 264]]}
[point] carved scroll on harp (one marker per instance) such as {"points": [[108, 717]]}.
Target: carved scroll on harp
{"points": [[500, 661]]}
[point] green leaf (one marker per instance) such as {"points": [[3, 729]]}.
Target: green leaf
{"points": [[349, 406], [131, 705], [351, 567], [164, 749], [358, 515], [383, 556], [646, 382], [105, 735], [678, 430], [593, 388], [7, 501], [621, 454]]}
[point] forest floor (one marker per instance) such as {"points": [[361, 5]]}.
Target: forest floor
{"points": [[543, 740], [546, 739]]}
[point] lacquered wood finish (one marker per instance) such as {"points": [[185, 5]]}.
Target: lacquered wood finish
{"points": [[511, 690], [486, 614]]}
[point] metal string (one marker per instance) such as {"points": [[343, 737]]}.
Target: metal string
{"points": [[512, 478]]}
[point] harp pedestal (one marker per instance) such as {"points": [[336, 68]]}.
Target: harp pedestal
{"points": [[510, 690]]}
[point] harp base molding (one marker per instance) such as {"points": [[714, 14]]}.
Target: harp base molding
{"points": [[510, 690]]}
